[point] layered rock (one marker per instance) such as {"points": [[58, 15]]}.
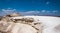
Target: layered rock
{"points": [[22, 25]]}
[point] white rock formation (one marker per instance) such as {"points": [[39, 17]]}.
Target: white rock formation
{"points": [[50, 25]]}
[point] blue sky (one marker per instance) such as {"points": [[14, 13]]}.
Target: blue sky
{"points": [[41, 6]]}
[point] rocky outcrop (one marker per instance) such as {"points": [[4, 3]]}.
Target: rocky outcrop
{"points": [[22, 25]]}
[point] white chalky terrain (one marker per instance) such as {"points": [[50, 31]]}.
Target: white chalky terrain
{"points": [[16, 28], [50, 25]]}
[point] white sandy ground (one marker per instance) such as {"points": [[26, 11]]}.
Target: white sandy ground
{"points": [[49, 23]]}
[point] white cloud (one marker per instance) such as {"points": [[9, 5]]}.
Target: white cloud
{"points": [[43, 11], [30, 13], [48, 11], [54, 11], [47, 2], [36, 12], [8, 11]]}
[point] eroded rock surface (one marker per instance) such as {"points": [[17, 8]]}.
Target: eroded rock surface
{"points": [[22, 25]]}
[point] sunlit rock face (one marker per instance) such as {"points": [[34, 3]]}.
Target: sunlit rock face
{"points": [[7, 17], [11, 24], [5, 26], [16, 28], [23, 28], [29, 24]]}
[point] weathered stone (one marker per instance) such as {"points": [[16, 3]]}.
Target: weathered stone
{"points": [[10, 25]]}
